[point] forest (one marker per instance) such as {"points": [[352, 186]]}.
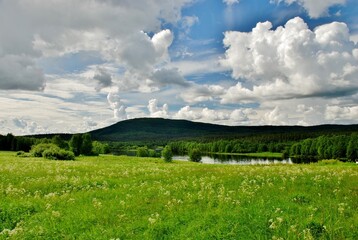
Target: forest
{"points": [[301, 148], [342, 147], [56, 147]]}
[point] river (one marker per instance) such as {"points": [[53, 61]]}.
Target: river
{"points": [[236, 160]]}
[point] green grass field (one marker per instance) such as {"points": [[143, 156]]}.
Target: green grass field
{"points": [[111, 197]]}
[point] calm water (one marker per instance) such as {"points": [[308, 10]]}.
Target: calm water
{"points": [[234, 159]]}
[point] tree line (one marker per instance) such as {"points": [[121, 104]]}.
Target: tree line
{"points": [[344, 147], [228, 146], [53, 148]]}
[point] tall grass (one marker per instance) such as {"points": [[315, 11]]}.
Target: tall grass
{"points": [[110, 197]]}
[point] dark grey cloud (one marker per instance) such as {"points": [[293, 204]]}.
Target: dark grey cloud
{"points": [[104, 79], [169, 77], [19, 72]]}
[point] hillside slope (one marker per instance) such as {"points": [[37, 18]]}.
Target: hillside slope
{"points": [[152, 129]]}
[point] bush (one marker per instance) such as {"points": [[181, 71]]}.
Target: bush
{"points": [[152, 153], [37, 150], [51, 151], [167, 154], [58, 154], [142, 152], [100, 148], [195, 155], [329, 162], [22, 154]]}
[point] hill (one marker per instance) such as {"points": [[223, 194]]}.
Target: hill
{"points": [[158, 129]]}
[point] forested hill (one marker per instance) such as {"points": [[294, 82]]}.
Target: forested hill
{"points": [[157, 129]]}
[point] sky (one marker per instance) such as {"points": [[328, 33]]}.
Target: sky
{"points": [[70, 66]]}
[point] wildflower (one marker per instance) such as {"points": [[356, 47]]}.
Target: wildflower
{"points": [[277, 238], [273, 225], [51, 195], [153, 218], [278, 210], [96, 203], [56, 214], [341, 208], [292, 229]]}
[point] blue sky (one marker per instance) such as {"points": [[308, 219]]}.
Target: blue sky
{"points": [[74, 66]]}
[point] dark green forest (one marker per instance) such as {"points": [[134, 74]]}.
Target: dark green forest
{"points": [[55, 147], [149, 130]]}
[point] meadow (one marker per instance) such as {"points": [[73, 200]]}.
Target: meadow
{"points": [[118, 197]]}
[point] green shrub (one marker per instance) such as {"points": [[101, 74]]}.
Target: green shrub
{"points": [[22, 154], [100, 148], [167, 154], [142, 152], [37, 150], [152, 153], [195, 155], [51, 151], [58, 154], [329, 162]]}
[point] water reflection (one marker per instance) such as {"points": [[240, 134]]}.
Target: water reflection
{"points": [[236, 160]]}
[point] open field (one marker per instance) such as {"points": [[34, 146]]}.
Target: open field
{"points": [[111, 197]]}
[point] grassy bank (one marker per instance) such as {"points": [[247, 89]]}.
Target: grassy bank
{"points": [[111, 197]]}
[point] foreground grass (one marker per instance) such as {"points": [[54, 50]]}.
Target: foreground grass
{"points": [[111, 197]]}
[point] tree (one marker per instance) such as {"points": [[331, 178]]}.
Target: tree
{"points": [[352, 148], [100, 148], [195, 155], [167, 154], [339, 147], [306, 146], [9, 141], [286, 153], [142, 152], [152, 153], [59, 142], [86, 146], [75, 144], [24, 143]]}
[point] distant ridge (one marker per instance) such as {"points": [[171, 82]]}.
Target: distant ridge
{"points": [[159, 129]]}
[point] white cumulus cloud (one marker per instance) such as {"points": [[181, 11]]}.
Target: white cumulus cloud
{"points": [[291, 62], [275, 117], [341, 113], [234, 117], [32, 30], [155, 111], [119, 109]]}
